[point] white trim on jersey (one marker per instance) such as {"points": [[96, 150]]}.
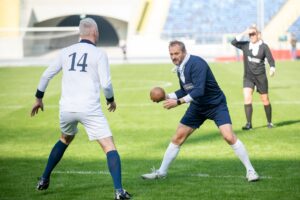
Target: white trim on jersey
{"points": [[255, 47]]}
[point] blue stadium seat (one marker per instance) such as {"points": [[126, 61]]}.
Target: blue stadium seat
{"points": [[205, 21]]}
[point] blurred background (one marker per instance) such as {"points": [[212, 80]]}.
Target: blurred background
{"points": [[32, 31]]}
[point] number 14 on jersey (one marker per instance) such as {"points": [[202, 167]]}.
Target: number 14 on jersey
{"points": [[81, 62]]}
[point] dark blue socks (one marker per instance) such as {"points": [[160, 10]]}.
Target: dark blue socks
{"points": [[114, 166], [113, 162], [54, 157]]}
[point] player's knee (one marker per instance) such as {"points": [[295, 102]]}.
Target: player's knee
{"points": [[178, 139], [108, 147], [182, 133], [107, 144], [230, 139], [265, 101], [248, 100]]}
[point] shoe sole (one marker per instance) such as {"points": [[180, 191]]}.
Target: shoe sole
{"points": [[42, 187], [145, 178], [254, 180], [161, 177], [246, 129]]}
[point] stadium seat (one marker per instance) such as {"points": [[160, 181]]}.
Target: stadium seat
{"points": [[206, 21]]}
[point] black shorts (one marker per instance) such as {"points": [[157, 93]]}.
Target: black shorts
{"points": [[196, 115], [260, 81]]}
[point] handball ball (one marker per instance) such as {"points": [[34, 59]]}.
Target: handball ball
{"points": [[157, 94]]}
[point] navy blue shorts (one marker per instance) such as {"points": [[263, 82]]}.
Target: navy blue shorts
{"points": [[196, 115]]}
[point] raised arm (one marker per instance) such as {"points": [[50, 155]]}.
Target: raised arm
{"points": [[237, 41]]}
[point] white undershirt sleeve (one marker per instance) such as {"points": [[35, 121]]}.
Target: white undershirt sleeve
{"points": [[104, 76], [188, 98], [49, 73], [172, 96]]}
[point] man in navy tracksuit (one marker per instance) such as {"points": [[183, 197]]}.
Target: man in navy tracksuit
{"points": [[207, 101]]}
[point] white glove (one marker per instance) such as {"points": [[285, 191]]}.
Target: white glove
{"points": [[272, 71]]}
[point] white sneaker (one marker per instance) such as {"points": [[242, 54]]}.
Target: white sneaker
{"points": [[155, 174], [252, 176]]}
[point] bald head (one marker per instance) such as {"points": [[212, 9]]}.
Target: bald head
{"points": [[88, 29]]}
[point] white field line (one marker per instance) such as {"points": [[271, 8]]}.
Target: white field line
{"points": [[226, 176], [83, 172], [22, 94], [15, 107], [193, 175], [51, 106], [292, 102]]}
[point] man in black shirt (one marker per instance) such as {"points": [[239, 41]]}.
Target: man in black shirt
{"points": [[255, 53]]}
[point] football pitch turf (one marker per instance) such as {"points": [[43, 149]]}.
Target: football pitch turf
{"points": [[206, 167]]}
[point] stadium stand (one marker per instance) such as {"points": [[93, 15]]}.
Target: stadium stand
{"points": [[205, 21]]}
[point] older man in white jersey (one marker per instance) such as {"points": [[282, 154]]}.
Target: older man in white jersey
{"points": [[85, 70]]}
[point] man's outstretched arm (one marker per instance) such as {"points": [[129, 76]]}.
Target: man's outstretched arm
{"points": [[48, 74]]}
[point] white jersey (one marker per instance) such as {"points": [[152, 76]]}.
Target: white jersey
{"points": [[85, 70]]}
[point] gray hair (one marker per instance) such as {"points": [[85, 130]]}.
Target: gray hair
{"points": [[253, 26], [86, 26], [179, 43]]}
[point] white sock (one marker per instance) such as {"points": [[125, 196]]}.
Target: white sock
{"points": [[169, 156], [241, 152]]}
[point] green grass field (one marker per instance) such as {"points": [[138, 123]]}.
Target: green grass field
{"points": [[206, 167]]}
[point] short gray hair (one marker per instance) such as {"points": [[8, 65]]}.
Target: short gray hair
{"points": [[86, 26], [179, 43], [253, 26]]}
